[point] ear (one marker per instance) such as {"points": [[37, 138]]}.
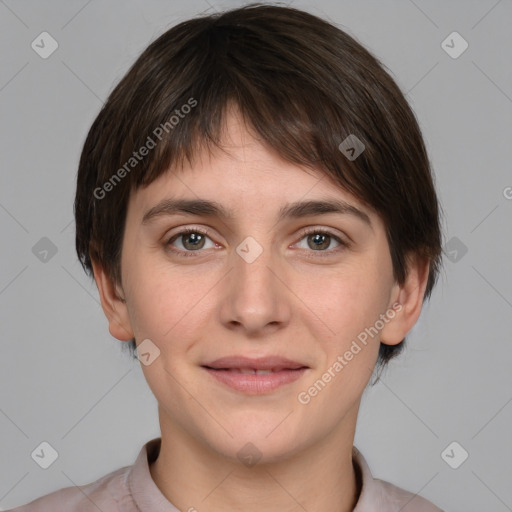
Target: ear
{"points": [[113, 305], [406, 301]]}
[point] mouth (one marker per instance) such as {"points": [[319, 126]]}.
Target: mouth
{"points": [[251, 371], [255, 376]]}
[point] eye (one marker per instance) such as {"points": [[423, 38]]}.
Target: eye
{"points": [[191, 239], [319, 240]]}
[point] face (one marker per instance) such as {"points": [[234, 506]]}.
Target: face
{"points": [[303, 286]]}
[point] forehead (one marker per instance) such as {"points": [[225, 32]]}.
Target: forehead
{"points": [[244, 174]]}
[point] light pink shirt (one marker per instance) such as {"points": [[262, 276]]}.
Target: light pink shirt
{"points": [[131, 489]]}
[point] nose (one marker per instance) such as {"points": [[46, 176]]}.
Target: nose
{"points": [[256, 299]]}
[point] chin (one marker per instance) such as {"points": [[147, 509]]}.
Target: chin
{"points": [[263, 442]]}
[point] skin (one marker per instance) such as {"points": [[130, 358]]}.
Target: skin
{"points": [[290, 301]]}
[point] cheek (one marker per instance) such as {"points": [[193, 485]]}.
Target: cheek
{"points": [[164, 298], [349, 304], [347, 301]]}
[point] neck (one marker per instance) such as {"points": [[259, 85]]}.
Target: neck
{"points": [[319, 478]]}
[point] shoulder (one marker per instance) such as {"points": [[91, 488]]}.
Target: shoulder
{"points": [[106, 494], [395, 498], [381, 496]]}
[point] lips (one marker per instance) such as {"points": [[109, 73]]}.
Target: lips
{"points": [[261, 365], [248, 371], [255, 376]]}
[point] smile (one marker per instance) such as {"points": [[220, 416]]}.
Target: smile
{"points": [[255, 382]]}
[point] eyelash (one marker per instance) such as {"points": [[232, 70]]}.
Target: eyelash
{"points": [[310, 231]]}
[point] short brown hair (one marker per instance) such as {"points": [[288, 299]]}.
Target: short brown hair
{"points": [[302, 83]]}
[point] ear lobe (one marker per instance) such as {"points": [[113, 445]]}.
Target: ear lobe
{"points": [[407, 301], [113, 305]]}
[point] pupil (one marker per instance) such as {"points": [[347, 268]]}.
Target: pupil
{"points": [[194, 239], [319, 240]]}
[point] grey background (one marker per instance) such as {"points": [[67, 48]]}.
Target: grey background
{"points": [[65, 380]]}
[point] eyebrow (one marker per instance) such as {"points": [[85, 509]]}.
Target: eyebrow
{"points": [[295, 210]]}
